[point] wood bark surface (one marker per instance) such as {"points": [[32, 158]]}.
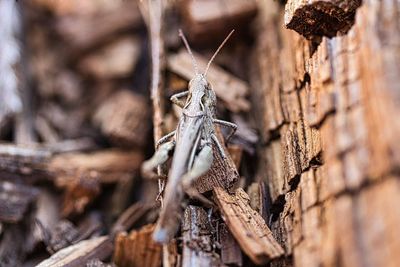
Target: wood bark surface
{"points": [[331, 153]]}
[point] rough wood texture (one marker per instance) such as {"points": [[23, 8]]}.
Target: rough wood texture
{"points": [[320, 18], [81, 253], [123, 118], [230, 89], [331, 137], [198, 247], [247, 226], [137, 248]]}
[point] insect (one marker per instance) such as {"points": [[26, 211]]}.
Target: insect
{"points": [[192, 142]]}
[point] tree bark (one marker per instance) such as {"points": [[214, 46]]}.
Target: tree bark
{"points": [[331, 153]]}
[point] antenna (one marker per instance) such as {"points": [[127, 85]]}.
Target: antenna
{"points": [[216, 52], [196, 68]]}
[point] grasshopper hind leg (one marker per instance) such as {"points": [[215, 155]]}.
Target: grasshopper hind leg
{"points": [[201, 165], [159, 158]]}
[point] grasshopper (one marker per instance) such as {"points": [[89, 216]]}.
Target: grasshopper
{"points": [[192, 142]]}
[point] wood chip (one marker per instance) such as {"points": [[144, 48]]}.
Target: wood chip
{"points": [[80, 253], [107, 165], [230, 89], [79, 193], [25, 161], [84, 32], [247, 226], [124, 119], [137, 248], [116, 60]]}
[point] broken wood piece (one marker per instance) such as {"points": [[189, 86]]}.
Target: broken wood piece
{"points": [[131, 215], [137, 248], [231, 255], [107, 165], [320, 18], [80, 253], [123, 118], [23, 161], [198, 247], [247, 226], [71, 145], [115, 60], [79, 193], [207, 20], [230, 89], [15, 200]]}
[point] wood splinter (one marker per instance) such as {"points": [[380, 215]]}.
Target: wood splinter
{"points": [[247, 226]]}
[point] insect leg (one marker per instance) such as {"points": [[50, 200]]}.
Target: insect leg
{"points": [[159, 157], [227, 124], [164, 139], [219, 146], [175, 98], [201, 165]]}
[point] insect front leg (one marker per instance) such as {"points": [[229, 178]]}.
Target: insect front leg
{"points": [[201, 165], [165, 138], [175, 98], [227, 124], [219, 146], [159, 157]]}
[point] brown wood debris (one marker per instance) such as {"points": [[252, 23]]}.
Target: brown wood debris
{"points": [[99, 26], [247, 226], [320, 18], [116, 60], [230, 89], [137, 248], [123, 119]]}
